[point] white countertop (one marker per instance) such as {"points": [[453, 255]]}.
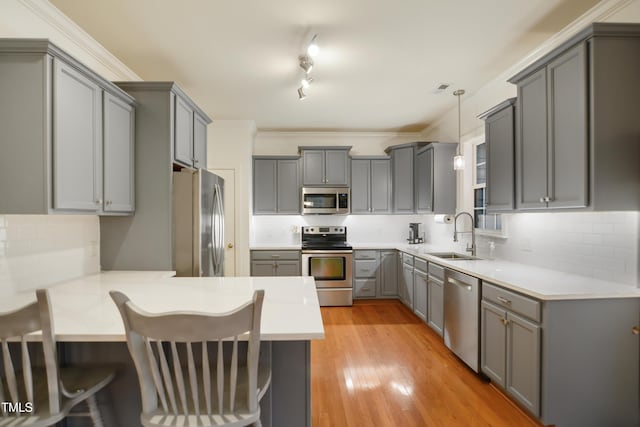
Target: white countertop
{"points": [[537, 282], [541, 283], [84, 312]]}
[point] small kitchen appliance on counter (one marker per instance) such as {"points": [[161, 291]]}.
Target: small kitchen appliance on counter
{"points": [[414, 233], [327, 257]]}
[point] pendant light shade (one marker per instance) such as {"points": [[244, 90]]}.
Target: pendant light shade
{"points": [[458, 160]]}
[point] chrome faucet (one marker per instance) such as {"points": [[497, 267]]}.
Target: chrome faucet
{"points": [[471, 248]]}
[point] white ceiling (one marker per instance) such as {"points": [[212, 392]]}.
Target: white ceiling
{"points": [[379, 64]]}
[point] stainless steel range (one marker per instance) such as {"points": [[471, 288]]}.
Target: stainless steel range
{"points": [[327, 257]]}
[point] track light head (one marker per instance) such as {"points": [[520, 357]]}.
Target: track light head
{"points": [[313, 48], [301, 94], [306, 82], [306, 63]]}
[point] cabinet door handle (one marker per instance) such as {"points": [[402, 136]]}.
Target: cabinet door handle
{"points": [[503, 300], [635, 330], [275, 256], [99, 202], [541, 199]]}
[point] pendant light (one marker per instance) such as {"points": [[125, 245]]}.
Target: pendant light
{"points": [[458, 160]]}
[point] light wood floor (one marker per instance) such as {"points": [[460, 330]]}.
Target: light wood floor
{"points": [[379, 365]]}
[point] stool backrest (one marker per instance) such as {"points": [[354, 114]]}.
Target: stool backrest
{"points": [[160, 343], [14, 327]]}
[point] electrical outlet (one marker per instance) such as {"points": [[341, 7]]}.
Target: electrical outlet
{"points": [[525, 244]]}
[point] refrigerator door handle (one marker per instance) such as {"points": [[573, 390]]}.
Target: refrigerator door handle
{"points": [[217, 230]]}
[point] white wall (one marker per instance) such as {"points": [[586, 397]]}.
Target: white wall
{"points": [[230, 146]]}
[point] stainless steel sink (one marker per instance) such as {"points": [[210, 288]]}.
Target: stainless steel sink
{"points": [[451, 256]]}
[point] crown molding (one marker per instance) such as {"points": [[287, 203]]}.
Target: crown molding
{"points": [[598, 13], [353, 134], [61, 22]]}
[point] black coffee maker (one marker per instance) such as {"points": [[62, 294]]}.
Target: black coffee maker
{"points": [[414, 233]]}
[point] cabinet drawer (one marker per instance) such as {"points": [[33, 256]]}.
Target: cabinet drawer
{"points": [[407, 259], [436, 271], [365, 288], [366, 267], [366, 254], [510, 300], [420, 264], [275, 255]]}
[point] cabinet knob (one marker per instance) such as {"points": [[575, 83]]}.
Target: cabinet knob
{"points": [[99, 202], [504, 321], [541, 199], [635, 330], [230, 245], [196, 161]]}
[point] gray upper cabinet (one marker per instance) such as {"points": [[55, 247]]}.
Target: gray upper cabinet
{"points": [[144, 241], [119, 180], [325, 165], [58, 114], [499, 133], [183, 140], [435, 185], [190, 132], [574, 123], [402, 158], [276, 188], [200, 141], [370, 185], [77, 140]]}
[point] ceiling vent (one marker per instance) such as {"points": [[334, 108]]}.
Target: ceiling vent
{"points": [[440, 88]]}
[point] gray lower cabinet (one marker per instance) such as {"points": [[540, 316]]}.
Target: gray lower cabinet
{"points": [[276, 188], [275, 263], [575, 146], [405, 281], [325, 165], [420, 303], [388, 285], [366, 265], [567, 362], [70, 122], [190, 132], [370, 185], [510, 354], [499, 133], [435, 298], [435, 179]]}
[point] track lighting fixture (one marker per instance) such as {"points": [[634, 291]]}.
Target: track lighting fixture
{"points": [[306, 63]]}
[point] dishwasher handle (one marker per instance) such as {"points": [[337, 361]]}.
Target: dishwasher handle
{"points": [[459, 283]]}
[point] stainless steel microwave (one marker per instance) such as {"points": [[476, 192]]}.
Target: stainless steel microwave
{"points": [[323, 200]]}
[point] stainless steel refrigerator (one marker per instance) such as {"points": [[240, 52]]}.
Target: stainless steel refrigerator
{"points": [[198, 223]]}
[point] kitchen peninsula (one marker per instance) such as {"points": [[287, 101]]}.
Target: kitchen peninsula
{"points": [[89, 327]]}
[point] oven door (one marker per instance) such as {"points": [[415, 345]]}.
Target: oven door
{"points": [[330, 269]]}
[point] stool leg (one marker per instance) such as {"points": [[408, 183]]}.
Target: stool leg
{"points": [[94, 412]]}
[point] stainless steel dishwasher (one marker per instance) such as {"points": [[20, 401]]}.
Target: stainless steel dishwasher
{"points": [[461, 316]]}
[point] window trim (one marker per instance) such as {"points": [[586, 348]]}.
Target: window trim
{"points": [[502, 233]]}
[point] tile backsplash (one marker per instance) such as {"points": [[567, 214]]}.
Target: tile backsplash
{"points": [[602, 245], [40, 250]]}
